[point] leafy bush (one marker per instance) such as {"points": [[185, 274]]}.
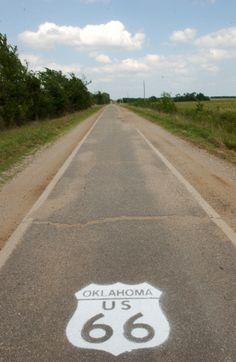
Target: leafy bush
{"points": [[27, 96], [166, 104]]}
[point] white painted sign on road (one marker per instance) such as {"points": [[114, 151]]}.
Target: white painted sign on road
{"points": [[118, 318]]}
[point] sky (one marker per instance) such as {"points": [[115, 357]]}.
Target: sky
{"points": [[174, 46]]}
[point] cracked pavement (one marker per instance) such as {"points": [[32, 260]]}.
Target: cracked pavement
{"points": [[119, 215]]}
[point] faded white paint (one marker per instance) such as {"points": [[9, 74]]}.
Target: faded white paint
{"points": [[118, 318], [214, 216], [18, 234]]}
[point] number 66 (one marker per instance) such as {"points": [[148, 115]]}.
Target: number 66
{"points": [[129, 326]]}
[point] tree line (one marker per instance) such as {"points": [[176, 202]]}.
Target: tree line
{"points": [[26, 95], [166, 103], [186, 97], [191, 97]]}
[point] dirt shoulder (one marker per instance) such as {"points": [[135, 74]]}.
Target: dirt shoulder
{"points": [[213, 178], [19, 194]]}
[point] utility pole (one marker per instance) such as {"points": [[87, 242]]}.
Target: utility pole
{"points": [[144, 90]]}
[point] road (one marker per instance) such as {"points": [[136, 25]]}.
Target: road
{"points": [[119, 263]]}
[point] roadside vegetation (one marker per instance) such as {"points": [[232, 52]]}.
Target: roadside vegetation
{"points": [[208, 123], [26, 95], [37, 107], [17, 143]]}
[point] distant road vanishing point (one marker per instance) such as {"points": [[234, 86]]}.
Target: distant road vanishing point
{"points": [[120, 260]]}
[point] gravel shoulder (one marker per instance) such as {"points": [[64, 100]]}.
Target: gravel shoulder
{"points": [[32, 176], [120, 221], [214, 178]]}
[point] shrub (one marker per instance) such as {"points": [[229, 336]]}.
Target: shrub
{"points": [[167, 104], [26, 96]]}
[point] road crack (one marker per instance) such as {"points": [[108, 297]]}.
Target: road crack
{"points": [[114, 220]]}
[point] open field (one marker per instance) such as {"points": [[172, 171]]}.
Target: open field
{"points": [[211, 125], [219, 105], [17, 143]]}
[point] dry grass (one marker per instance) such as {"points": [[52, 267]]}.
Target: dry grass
{"points": [[17, 143], [212, 127]]}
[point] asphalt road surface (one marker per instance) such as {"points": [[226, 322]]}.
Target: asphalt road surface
{"points": [[119, 263]]}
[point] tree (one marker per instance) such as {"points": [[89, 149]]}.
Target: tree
{"points": [[54, 99], [166, 103], [190, 97], [102, 98], [78, 95], [13, 88], [26, 95]]}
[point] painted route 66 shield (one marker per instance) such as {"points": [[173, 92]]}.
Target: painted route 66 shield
{"points": [[118, 318]]}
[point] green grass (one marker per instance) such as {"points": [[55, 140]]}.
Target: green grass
{"points": [[213, 105], [213, 128], [17, 143]]}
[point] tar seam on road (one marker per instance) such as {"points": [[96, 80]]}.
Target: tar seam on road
{"points": [[27, 220], [214, 216], [113, 220]]}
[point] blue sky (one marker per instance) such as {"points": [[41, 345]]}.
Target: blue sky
{"points": [[175, 46]]}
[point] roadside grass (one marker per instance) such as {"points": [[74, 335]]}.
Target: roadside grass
{"points": [[214, 105], [17, 143], [213, 129]]}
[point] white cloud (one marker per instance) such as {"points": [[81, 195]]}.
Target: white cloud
{"points": [[190, 68], [219, 54], [133, 65], [174, 73], [130, 65], [212, 47], [225, 38], [153, 58], [120, 68], [37, 63], [31, 59], [177, 67], [65, 68], [183, 36], [210, 67], [102, 58], [111, 34]]}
